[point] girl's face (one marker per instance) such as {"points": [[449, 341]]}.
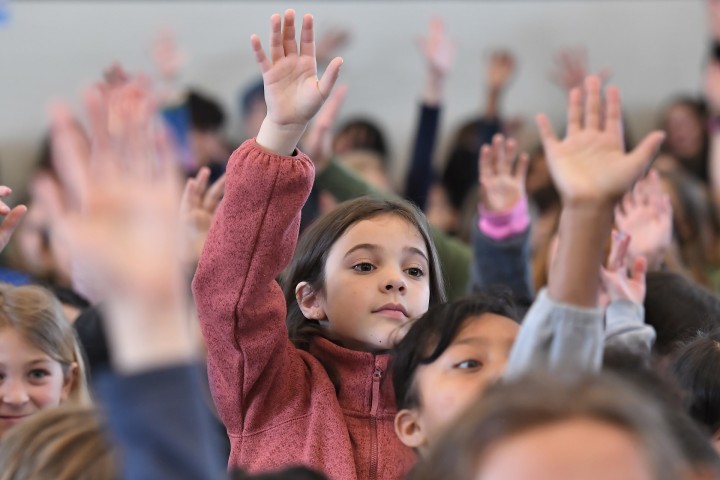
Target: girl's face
{"points": [[29, 379], [377, 278], [685, 131], [475, 359]]}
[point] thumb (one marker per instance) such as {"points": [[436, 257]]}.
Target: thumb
{"points": [[647, 149], [326, 83]]}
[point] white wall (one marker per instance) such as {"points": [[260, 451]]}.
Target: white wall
{"points": [[51, 49]]}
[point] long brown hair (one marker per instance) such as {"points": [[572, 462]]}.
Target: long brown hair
{"points": [[38, 317], [308, 263]]}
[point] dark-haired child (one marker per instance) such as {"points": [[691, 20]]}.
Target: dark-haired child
{"points": [[466, 346]]}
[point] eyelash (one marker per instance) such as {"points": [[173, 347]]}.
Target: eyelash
{"points": [[477, 364], [418, 271], [43, 374]]}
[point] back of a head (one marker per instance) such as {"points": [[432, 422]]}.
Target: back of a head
{"points": [[206, 115], [678, 309], [696, 369], [63, 443], [529, 404]]}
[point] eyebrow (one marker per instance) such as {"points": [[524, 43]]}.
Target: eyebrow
{"points": [[32, 362], [373, 248]]}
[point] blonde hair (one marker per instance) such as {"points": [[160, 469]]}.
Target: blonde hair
{"points": [[38, 317], [63, 443]]}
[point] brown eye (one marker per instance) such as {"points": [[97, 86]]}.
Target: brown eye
{"points": [[415, 272], [468, 364], [364, 267]]}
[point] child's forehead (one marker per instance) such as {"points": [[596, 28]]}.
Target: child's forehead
{"points": [[484, 328], [386, 228]]}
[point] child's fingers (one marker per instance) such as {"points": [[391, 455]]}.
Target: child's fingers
{"points": [[547, 133], [639, 269], [276, 42], [485, 163], [214, 194], [522, 167], [613, 114], [70, 153], [190, 197], [641, 156], [5, 191], [498, 146], [260, 57], [618, 249], [97, 111], [202, 178], [10, 223], [592, 103], [288, 33], [328, 114], [508, 158], [325, 84], [574, 112], [307, 36]]}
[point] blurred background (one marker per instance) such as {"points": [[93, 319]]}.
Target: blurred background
{"points": [[49, 49]]}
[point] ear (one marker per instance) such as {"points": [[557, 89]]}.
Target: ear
{"points": [[408, 428], [69, 382], [309, 302]]}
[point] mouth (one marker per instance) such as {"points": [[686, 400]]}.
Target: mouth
{"points": [[392, 310], [12, 418]]}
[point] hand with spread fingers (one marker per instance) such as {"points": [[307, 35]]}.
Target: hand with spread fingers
{"points": [[617, 282], [197, 210], [645, 214], [502, 183], [293, 92], [13, 217], [590, 164]]}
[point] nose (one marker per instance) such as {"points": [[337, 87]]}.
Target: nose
{"points": [[395, 282], [13, 392]]}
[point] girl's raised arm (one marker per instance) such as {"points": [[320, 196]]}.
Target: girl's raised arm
{"points": [[252, 239]]}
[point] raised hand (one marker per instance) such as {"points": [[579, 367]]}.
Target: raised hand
{"points": [[293, 92], [437, 49], [571, 69], [317, 143], [13, 217], [500, 70], [197, 210], [501, 185], [712, 86], [617, 282], [590, 165], [167, 57], [120, 202], [645, 214]]}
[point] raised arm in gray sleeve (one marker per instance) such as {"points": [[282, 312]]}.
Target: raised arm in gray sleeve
{"points": [[625, 327], [557, 337]]}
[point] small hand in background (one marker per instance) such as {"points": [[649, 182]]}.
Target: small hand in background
{"points": [[712, 86], [645, 214], [616, 281], [329, 44], [437, 48], [714, 18], [167, 56], [502, 187], [13, 217], [197, 210], [318, 141], [500, 69], [571, 69]]}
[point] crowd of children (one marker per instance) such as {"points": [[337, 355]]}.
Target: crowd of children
{"points": [[287, 315]]}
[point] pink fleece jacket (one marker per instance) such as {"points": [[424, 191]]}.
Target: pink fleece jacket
{"points": [[278, 403]]}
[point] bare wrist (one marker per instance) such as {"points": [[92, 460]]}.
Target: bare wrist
{"points": [[279, 139]]}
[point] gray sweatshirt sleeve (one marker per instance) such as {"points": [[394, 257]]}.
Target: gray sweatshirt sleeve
{"points": [[502, 262], [557, 337], [625, 327]]}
